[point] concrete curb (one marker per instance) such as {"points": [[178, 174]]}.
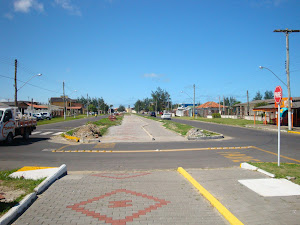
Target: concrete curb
{"points": [[218, 205], [72, 138], [247, 166], [207, 137], [18, 209], [49, 180], [293, 132]]}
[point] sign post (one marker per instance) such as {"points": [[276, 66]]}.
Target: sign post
{"points": [[277, 98]]}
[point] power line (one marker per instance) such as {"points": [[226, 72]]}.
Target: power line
{"points": [[30, 84]]}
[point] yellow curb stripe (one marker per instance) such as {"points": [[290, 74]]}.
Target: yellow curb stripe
{"points": [[282, 156], [28, 168], [222, 209], [294, 132], [72, 138]]}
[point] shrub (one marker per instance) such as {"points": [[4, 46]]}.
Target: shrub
{"points": [[216, 115]]}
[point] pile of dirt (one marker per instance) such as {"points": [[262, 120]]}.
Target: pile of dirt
{"points": [[195, 133], [8, 194], [88, 131]]}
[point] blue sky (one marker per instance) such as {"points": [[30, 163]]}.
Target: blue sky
{"points": [[122, 50]]}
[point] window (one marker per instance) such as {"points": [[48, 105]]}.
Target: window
{"points": [[7, 116]]}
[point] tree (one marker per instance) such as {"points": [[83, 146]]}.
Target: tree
{"points": [[121, 108], [138, 106], [258, 96], [161, 98], [269, 95], [92, 108]]}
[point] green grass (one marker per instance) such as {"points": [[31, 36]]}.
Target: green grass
{"points": [[285, 169], [106, 123], [178, 127], [26, 185], [60, 119], [71, 132], [225, 121]]}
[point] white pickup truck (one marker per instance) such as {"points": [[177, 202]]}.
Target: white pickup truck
{"points": [[13, 123]]}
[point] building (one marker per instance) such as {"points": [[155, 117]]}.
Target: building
{"points": [[72, 107], [208, 108]]}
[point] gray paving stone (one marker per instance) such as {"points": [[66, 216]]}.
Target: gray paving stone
{"points": [[178, 202]]}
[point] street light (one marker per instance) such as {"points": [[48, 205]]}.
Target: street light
{"points": [[16, 91], [289, 103], [262, 67]]}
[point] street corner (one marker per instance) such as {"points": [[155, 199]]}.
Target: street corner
{"points": [[34, 172]]}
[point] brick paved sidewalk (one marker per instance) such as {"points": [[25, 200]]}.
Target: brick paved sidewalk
{"points": [[248, 206], [151, 197]]}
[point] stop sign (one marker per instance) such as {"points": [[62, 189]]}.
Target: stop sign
{"points": [[278, 94]]}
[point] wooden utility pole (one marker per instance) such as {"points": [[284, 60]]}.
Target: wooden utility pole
{"points": [[224, 104], [16, 89], [248, 105], [287, 31], [64, 98], [219, 106], [194, 103], [87, 105]]}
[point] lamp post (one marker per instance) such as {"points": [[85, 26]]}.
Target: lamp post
{"points": [[16, 91], [262, 67], [192, 100]]}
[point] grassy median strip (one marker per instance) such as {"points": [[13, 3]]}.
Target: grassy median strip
{"points": [[17, 187], [282, 171], [106, 123], [225, 121]]}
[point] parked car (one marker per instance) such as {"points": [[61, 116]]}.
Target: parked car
{"points": [[153, 114], [38, 116], [166, 116], [46, 115]]}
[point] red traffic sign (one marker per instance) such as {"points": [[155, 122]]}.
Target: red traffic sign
{"points": [[278, 94]]}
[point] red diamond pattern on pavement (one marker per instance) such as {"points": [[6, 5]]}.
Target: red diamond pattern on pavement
{"points": [[119, 175], [78, 207]]}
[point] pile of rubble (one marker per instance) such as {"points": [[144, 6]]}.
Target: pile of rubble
{"points": [[88, 131], [195, 133]]}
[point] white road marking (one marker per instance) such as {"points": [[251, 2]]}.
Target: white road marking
{"points": [[36, 132], [46, 133], [58, 133]]}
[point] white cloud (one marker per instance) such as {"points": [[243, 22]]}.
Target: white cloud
{"points": [[157, 77], [26, 5], [9, 16], [152, 75], [67, 5]]}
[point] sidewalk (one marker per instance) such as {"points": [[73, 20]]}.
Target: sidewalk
{"points": [[248, 206], [127, 198], [273, 127], [138, 129]]}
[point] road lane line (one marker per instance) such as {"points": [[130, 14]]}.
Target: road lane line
{"points": [[36, 132], [218, 205], [260, 149], [46, 133], [144, 151], [58, 133]]}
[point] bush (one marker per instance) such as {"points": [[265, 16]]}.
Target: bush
{"points": [[216, 115]]}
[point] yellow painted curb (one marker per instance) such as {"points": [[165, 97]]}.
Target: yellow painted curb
{"points": [[222, 209], [28, 168], [72, 138], [294, 132]]}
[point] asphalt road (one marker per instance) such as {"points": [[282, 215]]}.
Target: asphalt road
{"points": [[130, 156]]}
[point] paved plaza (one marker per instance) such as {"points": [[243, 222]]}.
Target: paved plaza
{"points": [[147, 197], [138, 129]]}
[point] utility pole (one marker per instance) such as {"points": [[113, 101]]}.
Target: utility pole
{"points": [[219, 105], [287, 31], [87, 105], [248, 105], [64, 98], [224, 104], [194, 103], [16, 90]]}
